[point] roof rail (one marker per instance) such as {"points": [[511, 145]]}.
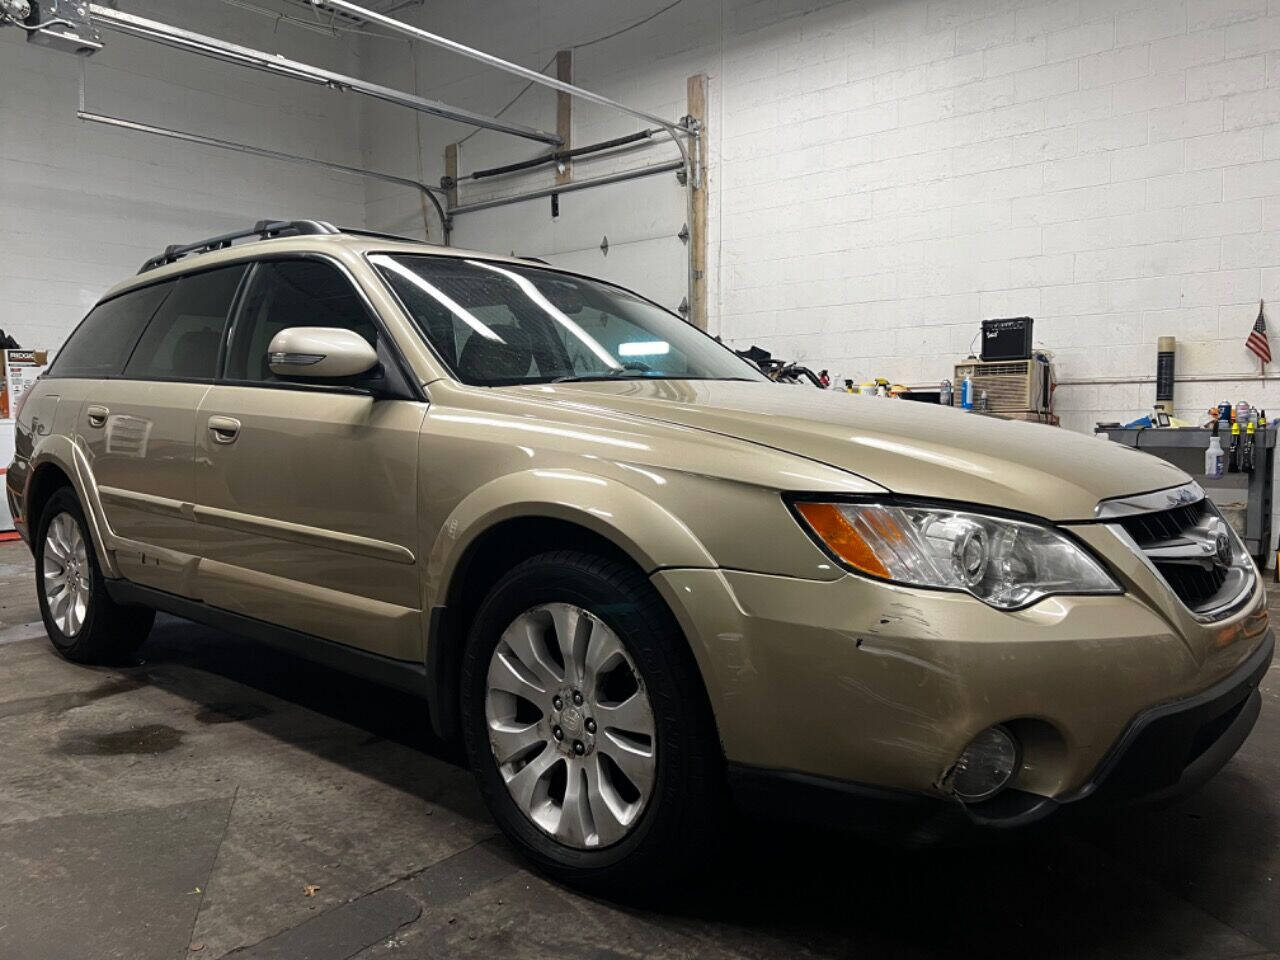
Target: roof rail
{"points": [[262, 230], [380, 235]]}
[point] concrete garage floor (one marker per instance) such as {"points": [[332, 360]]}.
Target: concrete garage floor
{"points": [[181, 807]]}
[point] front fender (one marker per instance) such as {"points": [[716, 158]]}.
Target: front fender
{"points": [[57, 450], [641, 527]]}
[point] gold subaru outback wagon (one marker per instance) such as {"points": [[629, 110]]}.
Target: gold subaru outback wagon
{"points": [[636, 578]]}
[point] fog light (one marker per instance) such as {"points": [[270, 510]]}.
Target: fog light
{"points": [[986, 765]]}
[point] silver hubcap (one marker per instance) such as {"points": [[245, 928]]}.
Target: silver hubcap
{"points": [[570, 725], [66, 574]]}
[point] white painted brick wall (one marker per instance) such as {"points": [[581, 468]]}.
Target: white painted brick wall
{"points": [[81, 206]]}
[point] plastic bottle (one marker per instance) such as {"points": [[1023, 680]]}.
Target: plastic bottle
{"points": [[1233, 453], [1214, 458], [945, 393], [966, 393]]}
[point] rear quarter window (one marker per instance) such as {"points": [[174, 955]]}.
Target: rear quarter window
{"points": [[185, 334], [101, 344]]}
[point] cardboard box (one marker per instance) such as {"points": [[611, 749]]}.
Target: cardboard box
{"points": [[18, 372]]}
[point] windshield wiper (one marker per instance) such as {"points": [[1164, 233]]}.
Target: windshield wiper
{"points": [[608, 375], [638, 375]]}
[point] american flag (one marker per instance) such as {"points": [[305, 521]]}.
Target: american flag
{"points": [[1257, 341]]}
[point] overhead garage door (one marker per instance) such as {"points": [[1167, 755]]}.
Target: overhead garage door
{"points": [[640, 219]]}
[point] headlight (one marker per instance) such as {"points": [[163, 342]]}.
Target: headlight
{"points": [[1005, 563]]}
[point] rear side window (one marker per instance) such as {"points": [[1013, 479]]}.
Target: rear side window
{"points": [[184, 337], [291, 293], [101, 344]]}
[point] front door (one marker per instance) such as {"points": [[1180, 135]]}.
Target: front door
{"points": [[138, 428], [306, 493]]}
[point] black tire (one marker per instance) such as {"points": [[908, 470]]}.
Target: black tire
{"points": [[680, 825], [110, 632]]}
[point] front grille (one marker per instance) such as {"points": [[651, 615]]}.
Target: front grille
{"points": [[1198, 586], [1194, 586], [1147, 528]]}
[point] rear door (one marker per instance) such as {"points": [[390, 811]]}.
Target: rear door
{"points": [[307, 491], [138, 427]]}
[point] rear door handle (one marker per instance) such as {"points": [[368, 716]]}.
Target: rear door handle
{"points": [[97, 414], [224, 429]]}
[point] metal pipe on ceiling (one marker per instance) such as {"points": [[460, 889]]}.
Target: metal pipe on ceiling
{"points": [[556, 156], [373, 16], [620, 177], [157, 32], [135, 126]]}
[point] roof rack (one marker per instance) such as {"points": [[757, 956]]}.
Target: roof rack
{"points": [[262, 230]]}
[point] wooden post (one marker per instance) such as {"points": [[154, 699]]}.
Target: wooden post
{"points": [[564, 112], [697, 103]]}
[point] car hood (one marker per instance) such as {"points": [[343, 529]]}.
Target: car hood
{"points": [[914, 449]]}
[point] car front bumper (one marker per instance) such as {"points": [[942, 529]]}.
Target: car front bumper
{"points": [[852, 690]]}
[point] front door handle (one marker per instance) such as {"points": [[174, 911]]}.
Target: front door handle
{"points": [[224, 429], [97, 414]]}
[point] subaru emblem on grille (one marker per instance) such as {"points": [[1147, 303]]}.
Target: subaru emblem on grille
{"points": [[1222, 546]]}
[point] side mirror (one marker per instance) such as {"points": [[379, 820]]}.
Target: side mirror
{"points": [[320, 352]]}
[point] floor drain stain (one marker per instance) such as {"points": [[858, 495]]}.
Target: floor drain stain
{"points": [[149, 738]]}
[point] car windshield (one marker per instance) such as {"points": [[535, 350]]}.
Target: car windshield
{"points": [[498, 324]]}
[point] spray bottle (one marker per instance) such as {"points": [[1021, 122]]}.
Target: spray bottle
{"points": [[1214, 466]]}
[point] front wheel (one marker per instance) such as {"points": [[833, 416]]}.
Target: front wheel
{"points": [[586, 723], [83, 622]]}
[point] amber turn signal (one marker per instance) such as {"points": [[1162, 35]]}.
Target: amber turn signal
{"points": [[834, 529]]}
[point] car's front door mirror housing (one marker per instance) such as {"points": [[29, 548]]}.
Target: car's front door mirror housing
{"points": [[321, 352]]}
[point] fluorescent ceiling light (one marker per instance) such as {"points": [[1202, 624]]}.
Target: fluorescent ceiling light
{"points": [[551, 310], [438, 295], [644, 348]]}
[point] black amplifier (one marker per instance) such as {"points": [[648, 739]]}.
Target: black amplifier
{"points": [[1008, 339]]}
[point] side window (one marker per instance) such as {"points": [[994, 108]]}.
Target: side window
{"points": [[101, 344], [183, 339], [291, 293]]}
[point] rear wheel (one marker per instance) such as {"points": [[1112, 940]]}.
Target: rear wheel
{"points": [[83, 622], [586, 724]]}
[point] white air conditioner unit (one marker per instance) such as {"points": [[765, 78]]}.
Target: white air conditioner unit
{"points": [[1011, 386]]}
